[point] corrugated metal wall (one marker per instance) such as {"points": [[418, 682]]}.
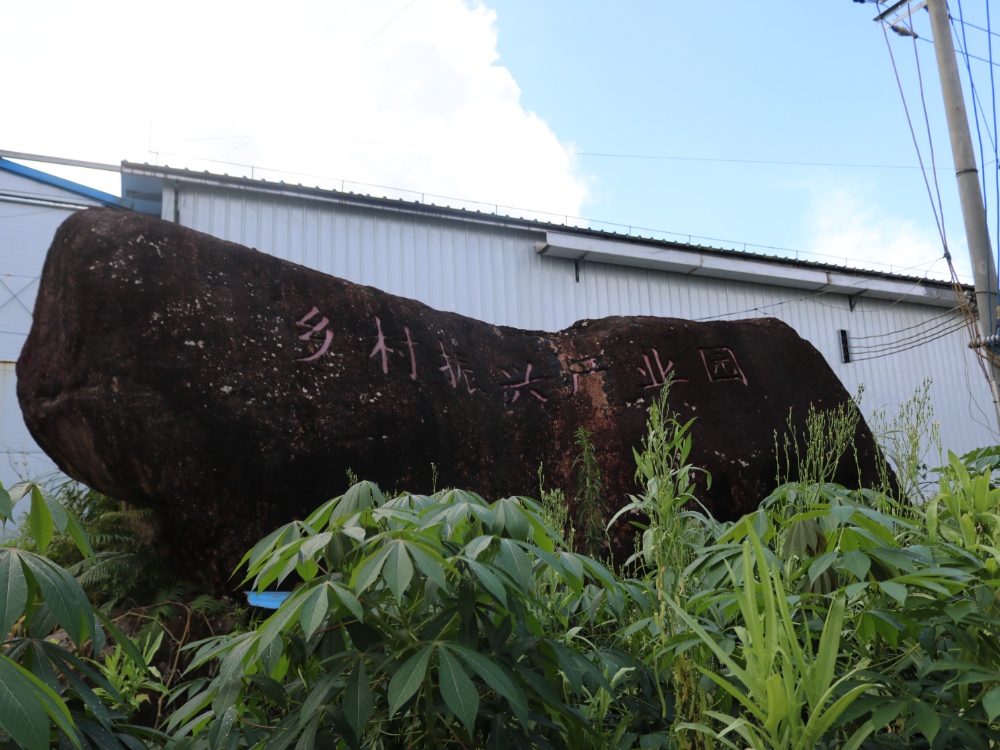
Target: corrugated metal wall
{"points": [[493, 273], [28, 221]]}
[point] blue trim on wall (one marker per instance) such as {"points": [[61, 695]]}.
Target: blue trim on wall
{"points": [[50, 179]]}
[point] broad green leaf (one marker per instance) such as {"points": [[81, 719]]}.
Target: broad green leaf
{"points": [[572, 570], [515, 562], [274, 627], [347, 598], [927, 721], [460, 695], [66, 600], [959, 610], [991, 703], [59, 515], [318, 695], [13, 591], [431, 565], [362, 496], [223, 727], [315, 544], [40, 520], [358, 701], [475, 548], [21, 713], [74, 670], [277, 538], [367, 572], [896, 590], [887, 712], [841, 513], [78, 535], [820, 564], [27, 704], [272, 689], [126, 643], [6, 506], [495, 678], [855, 588], [408, 679], [307, 740], [856, 563], [314, 610], [398, 569], [490, 580], [510, 519]]}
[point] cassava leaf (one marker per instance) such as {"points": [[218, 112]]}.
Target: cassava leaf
{"points": [[459, 694], [408, 679], [13, 590], [358, 701]]}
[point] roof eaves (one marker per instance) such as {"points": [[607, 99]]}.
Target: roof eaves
{"points": [[106, 199], [246, 183]]}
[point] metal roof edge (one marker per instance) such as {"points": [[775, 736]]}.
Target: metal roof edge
{"points": [[619, 256], [106, 199], [573, 244]]}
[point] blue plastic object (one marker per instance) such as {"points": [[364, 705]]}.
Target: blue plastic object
{"points": [[266, 599]]}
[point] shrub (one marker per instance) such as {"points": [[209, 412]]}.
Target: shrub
{"points": [[48, 693], [439, 621]]}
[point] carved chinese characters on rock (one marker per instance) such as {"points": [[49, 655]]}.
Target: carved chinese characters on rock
{"points": [[518, 380], [720, 364], [315, 329], [455, 369], [657, 372], [383, 350]]}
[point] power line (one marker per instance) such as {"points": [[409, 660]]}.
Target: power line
{"points": [[947, 325], [973, 26], [916, 145], [952, 311], [892, 352], [769, 162], [387, 25]]}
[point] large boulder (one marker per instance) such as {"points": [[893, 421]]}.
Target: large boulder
{"points": [[232, 391]]}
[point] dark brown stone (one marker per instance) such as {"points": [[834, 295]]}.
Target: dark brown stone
{"points": [[233, 390]]}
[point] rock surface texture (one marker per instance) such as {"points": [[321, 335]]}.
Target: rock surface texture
{"points": [[232, 390]]}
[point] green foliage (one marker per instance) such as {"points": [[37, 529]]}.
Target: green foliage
{"points": [[669, 483], [813, 457], [787, 688], [827, 618], [121, 565], [132, 682], [48, 693], [555, 511], [906, 439], [419, 623], [671, 529], [591, 509]]}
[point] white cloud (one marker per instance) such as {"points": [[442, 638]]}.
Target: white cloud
{"points": [[848, 225], [388, 92]]}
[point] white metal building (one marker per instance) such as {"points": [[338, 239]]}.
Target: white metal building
{"points": [[32, 205], [895, 330]]}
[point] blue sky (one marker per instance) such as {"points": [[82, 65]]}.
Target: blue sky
{"points": [[768, 82], [718, 121]]}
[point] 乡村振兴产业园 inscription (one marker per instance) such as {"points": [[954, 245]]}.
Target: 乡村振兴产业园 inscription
{"points": [[720, 364], [299, 377]]}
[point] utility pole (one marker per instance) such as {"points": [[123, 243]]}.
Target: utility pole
{"points": [[984, 272]]}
